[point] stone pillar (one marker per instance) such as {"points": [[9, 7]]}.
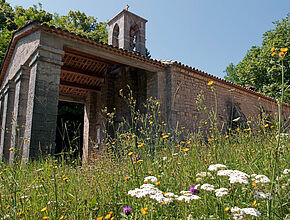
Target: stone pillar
{"points": [[19, 112], [91, 125], [157, 88], [42, 103], [7, 118]]}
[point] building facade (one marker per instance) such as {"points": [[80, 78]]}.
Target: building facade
{"points": [[45, 65]]}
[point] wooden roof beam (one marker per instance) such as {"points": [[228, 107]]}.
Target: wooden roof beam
{"points": [[85, 73], [79, 86]]}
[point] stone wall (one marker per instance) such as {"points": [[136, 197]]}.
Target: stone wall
{"points": [[189, 84], [24, 48]]}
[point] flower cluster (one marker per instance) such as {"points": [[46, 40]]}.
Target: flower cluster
{"points": [[221, 192], [235, 176], [164, 198], [215, 167], [281, 52], [240, 213]]}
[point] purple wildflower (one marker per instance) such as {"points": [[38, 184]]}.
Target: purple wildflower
{"points": [[127, 210], [138, 157], [193, 190]]}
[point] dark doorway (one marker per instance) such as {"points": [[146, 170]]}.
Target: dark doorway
{"points": [[69, 132]]}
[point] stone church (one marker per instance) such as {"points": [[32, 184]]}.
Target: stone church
{"points": [[45, 65]]}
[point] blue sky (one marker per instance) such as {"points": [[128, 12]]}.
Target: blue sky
{"points": [[205, 34]]}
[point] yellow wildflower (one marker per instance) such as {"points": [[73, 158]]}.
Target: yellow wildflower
{"points": [[273, 49], [149, 172], [210, 83], [108, 216], [227, 209], [129, 154], [126, 178], [100, 218], [61, 217], [44, 209], [141, 145], [186, 149], [254, 184], [254, 203], [157, 183], [143, 212], [273, 54], [64, 179], [45, 217], [20, 213], [266, 125], [165, 136], [281, 54], [284, 50]]}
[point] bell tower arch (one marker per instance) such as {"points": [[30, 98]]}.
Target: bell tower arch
{"points": [[127, 31]]}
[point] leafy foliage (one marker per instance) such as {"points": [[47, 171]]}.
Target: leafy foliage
{"points": [[259, 68], [75, 21]]}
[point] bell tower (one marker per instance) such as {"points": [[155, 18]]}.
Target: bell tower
{"points": [[127, 31]]}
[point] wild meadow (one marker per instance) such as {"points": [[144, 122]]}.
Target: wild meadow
{"points": [[148, 171]]}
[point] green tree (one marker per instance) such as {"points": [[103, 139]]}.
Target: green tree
{"points": [[76, 21], [260, 69]]}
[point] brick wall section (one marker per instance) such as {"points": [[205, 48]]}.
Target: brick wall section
{"points": [[187, 85]]}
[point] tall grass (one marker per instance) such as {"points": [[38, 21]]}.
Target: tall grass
{"points": [[63, 189], [175, 160]]}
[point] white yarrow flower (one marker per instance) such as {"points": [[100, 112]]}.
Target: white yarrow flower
{"points": [[169, 194], [261, 179], [203, 174], [238, 179], [215, 167], [235, 209], [221, 192], [207, 187], [261, 195], [231, 173], [286, 171], [251, 211], [188, 198], [153, 179]]}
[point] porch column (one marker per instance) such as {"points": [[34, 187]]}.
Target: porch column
{"points": [[42, 103], [19, 112], [92, 125], [7, 117], [157, 86]]}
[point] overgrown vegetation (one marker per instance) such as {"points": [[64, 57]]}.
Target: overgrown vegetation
{"points": [[176, 167]]}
